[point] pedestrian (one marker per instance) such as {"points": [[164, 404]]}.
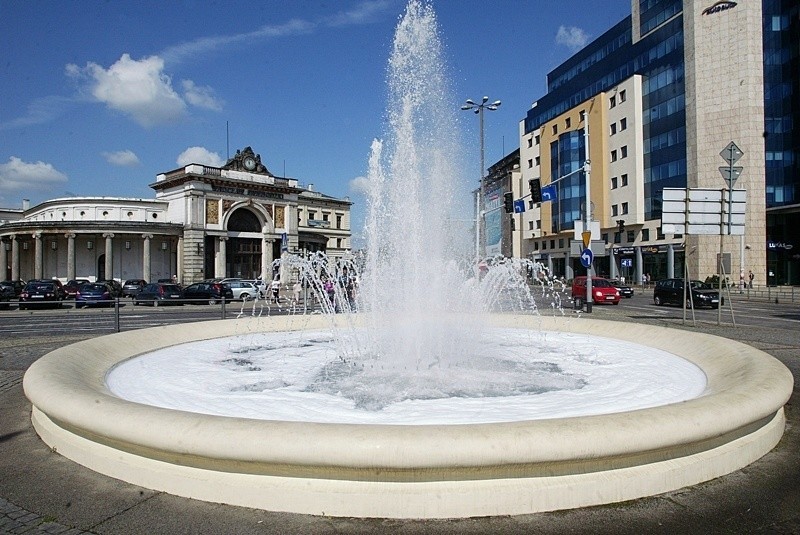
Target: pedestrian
{"points": [[296, 289], [275, 286], [750, 276], [741, 281], [647, 278]]}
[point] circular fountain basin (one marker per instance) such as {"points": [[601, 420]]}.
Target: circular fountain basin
{"points": [[412, 471]]}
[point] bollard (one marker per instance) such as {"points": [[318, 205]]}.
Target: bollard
{"points": [[588, 308]]}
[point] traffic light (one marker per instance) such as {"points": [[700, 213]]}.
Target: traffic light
{"points": [[536, 189], [621, 223], [513, 224], [508, 202]]}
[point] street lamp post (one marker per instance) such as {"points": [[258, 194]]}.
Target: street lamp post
{"points": [[470, 105]]}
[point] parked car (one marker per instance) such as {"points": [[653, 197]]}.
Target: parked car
{"points": [[93, 293], [698, 293], [242, 290], [623, 289], [133, 287], [210, 292], [18, 285], [115, 286], [41, 293], [59, 287], [159, 293], [71, 287], [603, 290], [6, 295]]}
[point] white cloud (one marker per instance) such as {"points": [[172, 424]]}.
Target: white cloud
{"points": [[138, 88], [17, 175], [572, 37], [202, 97], [200, 155], [359, 184], [122, 158]]}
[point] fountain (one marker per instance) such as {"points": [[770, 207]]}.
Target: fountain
{"points": [[437, 421]]}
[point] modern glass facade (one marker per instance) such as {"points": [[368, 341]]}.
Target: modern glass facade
{"points": [[781, 34], [612, 58], [567, 156], [657, 53]]}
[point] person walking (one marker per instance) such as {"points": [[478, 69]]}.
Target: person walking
{"points": [[750, 278], [275, 286]]}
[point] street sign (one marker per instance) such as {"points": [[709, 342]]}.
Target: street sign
{"points": [[730, 174], [587, 237], [549, 193], [519, 206], [731, 153], [586, 258]]}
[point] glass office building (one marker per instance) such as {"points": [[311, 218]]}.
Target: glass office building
{"points": [[704, 83]]}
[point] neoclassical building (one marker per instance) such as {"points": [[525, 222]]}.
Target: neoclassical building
{"points": [[229, 221]]}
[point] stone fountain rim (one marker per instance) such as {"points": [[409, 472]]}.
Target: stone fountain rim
{"points": [[67, 387]]}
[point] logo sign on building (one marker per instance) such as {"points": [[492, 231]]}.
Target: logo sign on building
{"points": [[719, 6]]}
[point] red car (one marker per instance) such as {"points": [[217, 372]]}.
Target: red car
{"points": [[603, 290]]}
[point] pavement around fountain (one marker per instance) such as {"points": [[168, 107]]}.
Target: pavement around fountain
{"points": [[43, 492]]}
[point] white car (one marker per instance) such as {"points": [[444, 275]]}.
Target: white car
{"points": [[243, 291]]}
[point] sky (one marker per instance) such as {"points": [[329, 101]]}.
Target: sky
{"points": [[98, 97]]}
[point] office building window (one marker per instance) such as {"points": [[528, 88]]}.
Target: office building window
{"points": [[623, 124], [631, 236], [583, 115], [338, 221], [645, 234], [613, 155], [530, 142], [624, 180], [622, 96], [555, 129], [613, 182], [538, 160], [605, 238], [538, 223], [612, 102], [623, 152], [530, 164], [659, 234], [536, 139], [614, 210], [552, 244], [613, 128], [530, 225], [624, 208], [568, 123], [617, 237], [561, 243]]}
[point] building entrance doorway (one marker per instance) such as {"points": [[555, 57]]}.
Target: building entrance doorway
{"points": [[243, 256]]}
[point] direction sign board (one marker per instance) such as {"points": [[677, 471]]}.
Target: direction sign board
{"points": [[703, 211]]}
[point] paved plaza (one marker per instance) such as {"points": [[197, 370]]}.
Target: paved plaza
{"points": [[43, 492]]}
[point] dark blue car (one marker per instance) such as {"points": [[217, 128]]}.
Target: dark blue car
{"points": [[93, 294]]}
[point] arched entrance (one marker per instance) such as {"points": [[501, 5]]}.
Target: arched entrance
{"points": [[243, 254]]}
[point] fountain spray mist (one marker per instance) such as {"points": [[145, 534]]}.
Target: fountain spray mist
{"points": [[413, 284]]}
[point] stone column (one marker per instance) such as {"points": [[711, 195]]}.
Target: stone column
{"points": [[109, 267], [179, 267], [639, 266], [266, 259], [219, 267], [146, 257], [612, 264], [14, 258], [38, 262], [70, 236], [670, 261], [3, 260]]}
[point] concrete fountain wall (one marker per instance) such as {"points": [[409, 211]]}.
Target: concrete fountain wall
{"points": [[412, 471]]}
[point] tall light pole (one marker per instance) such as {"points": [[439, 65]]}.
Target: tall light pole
{"points": [[470, 105]]}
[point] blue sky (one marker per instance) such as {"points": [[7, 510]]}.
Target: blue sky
{"points": [[97, 98]]}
